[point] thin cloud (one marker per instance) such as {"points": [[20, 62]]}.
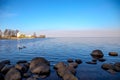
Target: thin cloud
{"points": [[7, 15]]}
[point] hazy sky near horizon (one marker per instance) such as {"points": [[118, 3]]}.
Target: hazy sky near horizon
{"points": [[59, 18]]}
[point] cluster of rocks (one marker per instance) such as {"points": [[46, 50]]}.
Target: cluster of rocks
{"points": [[112, 68], [67, 71], [97, 55], [38, 68]]}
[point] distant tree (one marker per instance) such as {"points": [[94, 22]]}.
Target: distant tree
{"points": [[34, 35], [0, 34]]}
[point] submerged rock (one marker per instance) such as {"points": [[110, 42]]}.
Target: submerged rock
{"points": [[21, 61], [97, 54], [113, 53], [13, 74], [91, 62], [107, 66], [70, 60], [117, 66], [79, 61], [102, 59], [73, 64]]}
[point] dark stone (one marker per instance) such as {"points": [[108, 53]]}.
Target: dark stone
{"points": [[94, 60], [117, 66], [111, 71], [101, 59], [21, 61], [1, 76], [1, 65], [59, 65], [91, 62], [40, 66], [6, 68], [107, 66], [5, 62], [97, 54], [21, 67], [31, 78], [26, 75], [113, 53], [13, 74], [71, 69], [78, 61], [69, 76], [73, 64], [70, 60]]}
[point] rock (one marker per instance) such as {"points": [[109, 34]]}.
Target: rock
{"points": [[78, 61], [26, 75], [1, 76], [117, 66], [91, 62], [40, 66], [59, 65], [6, 68], [107, 66], [70, 60], [101, 59], [111, 71], [71, 69], [73, 64], [1, 65], [31, 78], [5, 61], [38, 60], [13, 74], [94, 60], [69, 76], [97, 54], [21, 67], [41, 69], [21, 61], [113, 53]]}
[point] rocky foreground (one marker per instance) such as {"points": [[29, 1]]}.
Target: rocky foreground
{"points": [[39, 67]]}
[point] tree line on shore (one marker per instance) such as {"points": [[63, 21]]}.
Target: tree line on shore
{"points": [[8, 33], [12, 34]]}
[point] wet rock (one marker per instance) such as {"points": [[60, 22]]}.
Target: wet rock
{"points": [[97, 54], [6, 68], [94, 60], [70, 60], [71, 69], [40, 66], [69, 76], [107, 66], [26, 75], [111, 71], [13, 74], [5, 62], [117, 66], [91, 62], [1, 65], [1, 76], [21, 61], [73, 64], [41, 69], [21, 67], [78, 61], [59, 65], [102, 59], [31, 78], [113, 53], [38, 60]]}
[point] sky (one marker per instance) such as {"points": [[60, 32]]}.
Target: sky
{"points": [[62, 18]]}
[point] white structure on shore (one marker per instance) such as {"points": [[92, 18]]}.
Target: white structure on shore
{"points": [[18, 34]]}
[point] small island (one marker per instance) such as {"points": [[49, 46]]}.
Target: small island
{"points": [[16, 34]]}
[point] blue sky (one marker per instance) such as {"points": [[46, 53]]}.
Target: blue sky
{"points": [[62, 17]]}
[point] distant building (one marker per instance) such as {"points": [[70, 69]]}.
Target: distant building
{"points": [[42, 36], [18, 34]]}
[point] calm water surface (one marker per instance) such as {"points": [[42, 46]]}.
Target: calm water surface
{"points": [[60, 49]]}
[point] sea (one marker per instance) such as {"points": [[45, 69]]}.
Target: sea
{"points": [[59, 49]]}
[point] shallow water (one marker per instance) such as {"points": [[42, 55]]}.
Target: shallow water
{"points": [[60, 49]]}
